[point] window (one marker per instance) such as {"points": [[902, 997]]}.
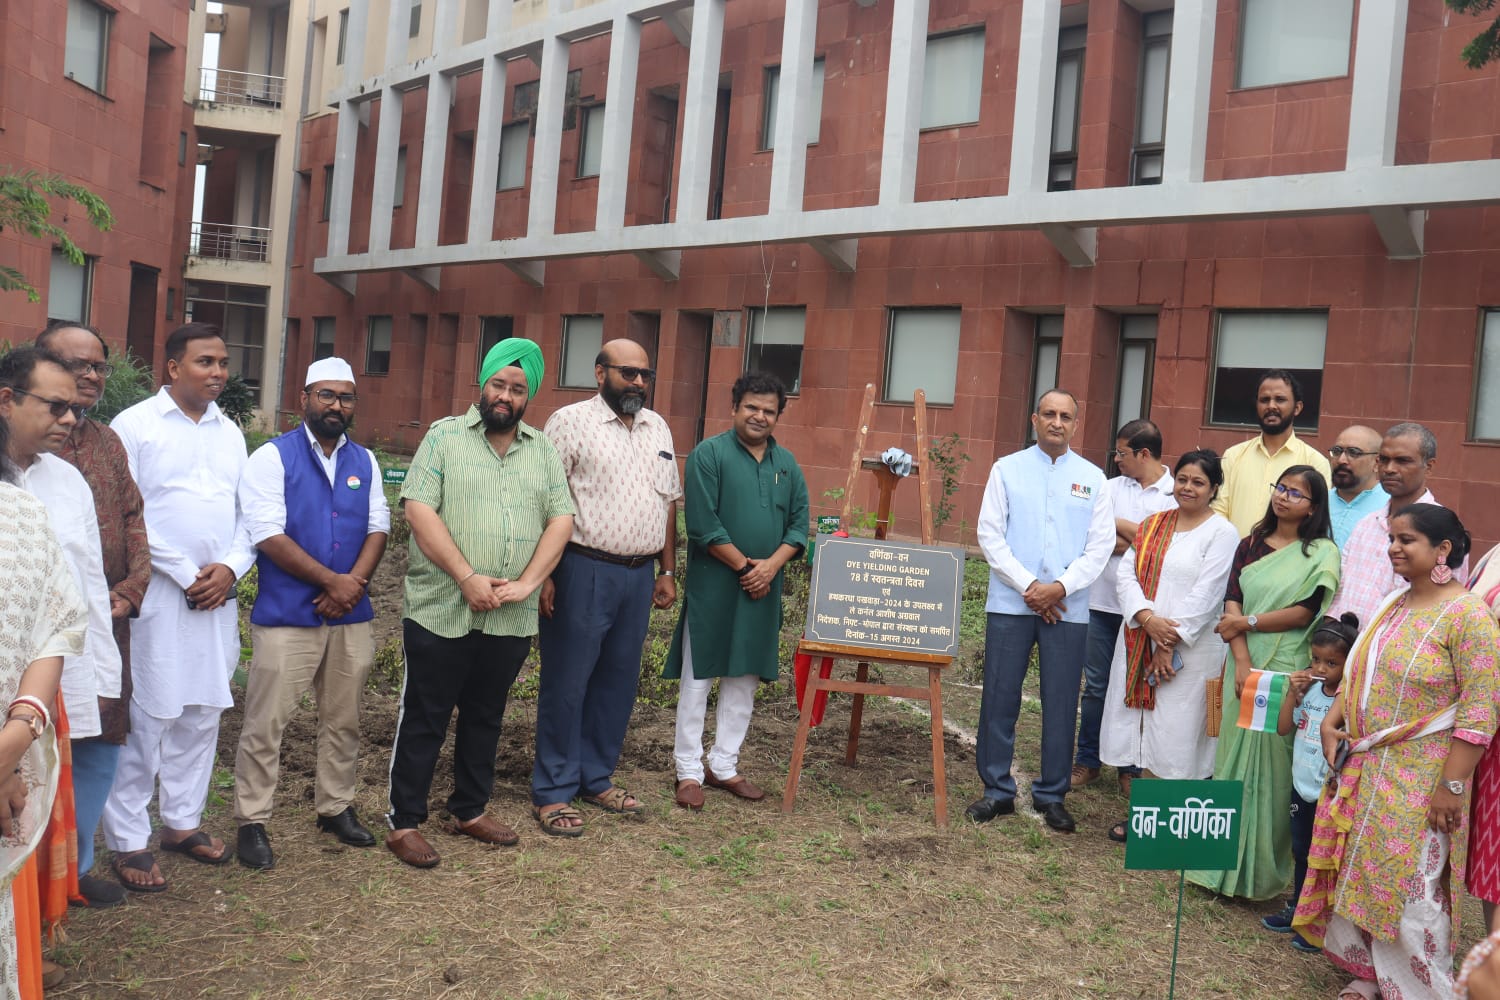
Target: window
{"points": [[773, 90], [1151, 113], [1249, 343], [68, 290], [398, 196], [414, 21], [182, 149], [1063, 172], [582, 338], [775, 344], [239, 311], [1046, 362], [514, 139], [86, 57], [1283, 41], [1137, 358], [378, 346], [325, 329], [338, 59], [922, 354], [492, 330], [327, 192], [591, 141], [1486, 426], [951, 75]]}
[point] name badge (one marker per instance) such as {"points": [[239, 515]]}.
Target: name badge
{"points": [[1083, 492], [352, 482]]}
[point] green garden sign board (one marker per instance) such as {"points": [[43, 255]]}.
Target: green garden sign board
{"points": [[395, 477], [1176, 825]]}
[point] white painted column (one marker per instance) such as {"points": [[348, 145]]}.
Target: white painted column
{"points": [[794, 110], [1036, 79], [903, 102], [1191, 73], [445, 27], [619, 114], [342, 203], [434, 157], [1376, 96], [702, 101], [388, 141], [551, 95], [354, 42], [487, 132]]}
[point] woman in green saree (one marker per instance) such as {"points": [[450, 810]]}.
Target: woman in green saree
{"points": [[1284, 576]]}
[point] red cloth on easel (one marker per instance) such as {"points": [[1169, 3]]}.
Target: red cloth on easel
{"points": [[801, 670]]}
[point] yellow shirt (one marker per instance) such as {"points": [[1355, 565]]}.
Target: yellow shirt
{"points": [[1249, 471]]}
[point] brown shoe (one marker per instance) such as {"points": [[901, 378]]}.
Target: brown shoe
{"points": [[1125, 779], [486, 829], [1084, 775], [739, 786], [690, 794], [53, 974], [414, 849]]}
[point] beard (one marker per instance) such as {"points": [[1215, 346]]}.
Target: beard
{"points": [[1274, 424], [328, 426], [497, 420], [626, 402], [1344, 477]]}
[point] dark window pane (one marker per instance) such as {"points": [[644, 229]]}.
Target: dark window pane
{"points": [[1235, 389]]}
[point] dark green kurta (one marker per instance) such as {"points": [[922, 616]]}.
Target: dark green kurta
{"points": [[730, 497]]}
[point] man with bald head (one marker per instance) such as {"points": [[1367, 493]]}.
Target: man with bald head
{"points": [[1356, 491], [622, 472]]}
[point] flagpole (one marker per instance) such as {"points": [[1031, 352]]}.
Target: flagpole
{"points": [[1177, 932]]}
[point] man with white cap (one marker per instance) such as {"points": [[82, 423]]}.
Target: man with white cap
{"points": [[316, 512]]}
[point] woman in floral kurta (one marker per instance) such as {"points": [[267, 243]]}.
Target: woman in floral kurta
{"points": [[1418, 707]]}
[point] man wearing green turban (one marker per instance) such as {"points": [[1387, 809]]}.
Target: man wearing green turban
{"points": [[524, 354]]}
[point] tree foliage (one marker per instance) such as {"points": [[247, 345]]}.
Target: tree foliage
{"points": [[238, 400], [1485, 46], [25, 206], [127, 385]]}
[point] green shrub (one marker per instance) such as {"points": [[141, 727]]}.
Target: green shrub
{"points": [[238, 400], [127, 385]]}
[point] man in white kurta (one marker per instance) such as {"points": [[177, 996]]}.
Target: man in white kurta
{"points": [[186, 456]]}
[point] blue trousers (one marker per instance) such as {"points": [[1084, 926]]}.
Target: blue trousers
{"points": [[1008, 640], [591, 666], [93, 776], [1104, 629]]}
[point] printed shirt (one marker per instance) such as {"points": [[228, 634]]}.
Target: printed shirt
{"points": [[1130, 500], [622, 478], [1365, 574], [1309, 766], [1249, 471], [263, 490], [495, 508], [1345, 514]]}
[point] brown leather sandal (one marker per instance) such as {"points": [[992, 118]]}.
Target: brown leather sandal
{"points": [[613, 800], [552, 819]]}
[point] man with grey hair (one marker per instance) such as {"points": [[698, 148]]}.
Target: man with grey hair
{"points": [[1407, 454]]}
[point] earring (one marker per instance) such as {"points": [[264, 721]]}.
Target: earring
{"points": [[1441, 573]]}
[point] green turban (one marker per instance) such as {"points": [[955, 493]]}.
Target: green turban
{"points": [[522, 353]]}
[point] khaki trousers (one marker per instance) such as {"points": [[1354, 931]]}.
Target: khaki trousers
{"points": [[332, 660]]}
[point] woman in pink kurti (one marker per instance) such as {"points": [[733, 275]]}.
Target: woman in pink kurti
{"points": [[1418, 708]]}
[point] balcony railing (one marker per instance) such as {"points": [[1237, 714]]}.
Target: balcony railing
{"points": [[230, 86], [220, 241]]}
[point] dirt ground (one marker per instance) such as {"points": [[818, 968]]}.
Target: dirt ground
{"points": [[856, 894]]}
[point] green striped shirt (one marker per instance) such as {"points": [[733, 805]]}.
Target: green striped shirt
{"points": [[495, 508]]}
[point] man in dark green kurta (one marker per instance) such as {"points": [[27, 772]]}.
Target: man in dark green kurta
{"points": [[747, 514]]}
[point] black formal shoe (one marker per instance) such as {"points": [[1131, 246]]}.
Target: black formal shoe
{"points": [[1056, 815], [347, 827], [984, 810], [98, 893], [253, 847]]}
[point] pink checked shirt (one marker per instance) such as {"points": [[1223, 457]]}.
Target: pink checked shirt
{"points": [[1365, 576], [622, 478]]}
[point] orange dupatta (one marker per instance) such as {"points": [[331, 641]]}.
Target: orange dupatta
{"points": [[1151, 543]]}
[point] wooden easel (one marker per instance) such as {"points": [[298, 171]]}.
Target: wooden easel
{"points": [[862, 685]]}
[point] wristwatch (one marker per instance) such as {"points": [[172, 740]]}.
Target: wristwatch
{"points": [[1252, 621], [743, 569], [1456, 787], [666, 572]]}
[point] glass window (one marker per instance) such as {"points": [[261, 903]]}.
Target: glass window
{"points": [[86, 56], [582, 338], [239, 311], [327, 192], [591, 141], [514, 139], [1250, 342], [398, 197], [325, 329], [1046, 362], [773, 92], [923, 354], [1283, 41], [68, 288], [951, 76], [1487, 380], [1066, 94], [414, 20], [1137, 358], [775, 344], [1151, 113], [343, 36], [492, 330], [378, 346]]}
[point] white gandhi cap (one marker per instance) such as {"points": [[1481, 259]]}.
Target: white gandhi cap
{"points": [[329, 370]]}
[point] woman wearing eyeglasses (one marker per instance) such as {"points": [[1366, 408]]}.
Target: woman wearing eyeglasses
{"points": [[1284, 576]]}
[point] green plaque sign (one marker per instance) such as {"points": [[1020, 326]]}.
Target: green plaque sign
{"points": [[828, 524], [1176, 825], [395, 477]]}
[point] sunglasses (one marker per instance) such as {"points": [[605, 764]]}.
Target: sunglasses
{"points": [[59, 407], [1295, 496], [630, 373]]}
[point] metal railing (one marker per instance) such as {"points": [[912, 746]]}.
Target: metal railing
{"points": [[230, 86], [220, 241]]}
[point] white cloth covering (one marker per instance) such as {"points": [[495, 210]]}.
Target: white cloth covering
{"points": [[263, 489], [95, 673], [328, 370], [189, 476], [1171, 740], [188, 742], [1131, 501], [731, 722]]}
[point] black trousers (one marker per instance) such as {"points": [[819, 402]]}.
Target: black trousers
{"points": [[475, 672], [1303, 813]]}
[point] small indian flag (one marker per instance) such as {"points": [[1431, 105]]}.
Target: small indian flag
{"points": [[1260, 700]]}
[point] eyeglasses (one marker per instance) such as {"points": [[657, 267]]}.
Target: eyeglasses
{"points": [[1295, 496], [60, 407], [83, 366], [1338, 451], [1115, 453], [328, 396], [630, 373]]}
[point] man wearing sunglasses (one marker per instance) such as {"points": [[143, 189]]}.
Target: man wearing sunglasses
{"points": [[622, 472], [1356, 489], [318, 517]]}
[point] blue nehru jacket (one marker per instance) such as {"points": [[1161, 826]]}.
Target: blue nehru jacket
{"points": [[1049, 507], [328, 522]]}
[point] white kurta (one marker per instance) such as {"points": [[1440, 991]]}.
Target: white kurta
{"points": [[1171, 740], [189, 476], [94, 673]]}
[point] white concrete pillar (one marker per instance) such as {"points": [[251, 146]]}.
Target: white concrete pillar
{"points": [[903, 102], [341, 204], [619, 114], [434, 157], [1376, 97], [1191, 73], [794, 110], [1036, 80], [702, 100], [551, 94]]}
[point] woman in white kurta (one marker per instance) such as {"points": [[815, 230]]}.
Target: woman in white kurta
{"points": [[1170, 739]]}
